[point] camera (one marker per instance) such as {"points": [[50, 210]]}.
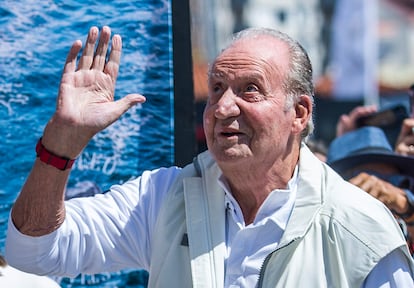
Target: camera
{"points": [[389, 120], [384, 118]]}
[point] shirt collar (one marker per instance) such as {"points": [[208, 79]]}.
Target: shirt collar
{"points": [[276, 208]]}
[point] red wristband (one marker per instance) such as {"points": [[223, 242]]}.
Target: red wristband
{"points": [[61, 163]]}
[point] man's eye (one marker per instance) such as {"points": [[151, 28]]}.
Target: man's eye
{"points": [[251, 88], [252, 93], [216, 88]]}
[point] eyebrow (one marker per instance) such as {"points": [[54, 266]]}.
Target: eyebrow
{"points": [[256, 76]]}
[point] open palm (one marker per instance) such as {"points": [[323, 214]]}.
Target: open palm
{"points": [[85, 103]]}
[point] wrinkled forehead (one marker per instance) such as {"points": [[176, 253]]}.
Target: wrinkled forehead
{"points": [[256, 53]]}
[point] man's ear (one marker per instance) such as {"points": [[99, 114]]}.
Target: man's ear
{"points": [[303, 109]]}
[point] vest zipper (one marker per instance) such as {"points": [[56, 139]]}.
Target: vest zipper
{"points": [[266, 261]]}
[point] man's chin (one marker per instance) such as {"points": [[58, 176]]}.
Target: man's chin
{"points": [[231, 154]]}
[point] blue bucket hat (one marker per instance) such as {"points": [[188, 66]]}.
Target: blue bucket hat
{"points": [[366, 145]]}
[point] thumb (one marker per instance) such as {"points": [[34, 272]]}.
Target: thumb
{"points": [[129, 101]]}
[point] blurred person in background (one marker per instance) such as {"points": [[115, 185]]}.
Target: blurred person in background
{"points": [[354, 63], [365, 158], [397, 196], [350, 73], [405, 140], [348, 122]]}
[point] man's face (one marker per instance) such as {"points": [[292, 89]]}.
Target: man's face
{"points": [[246, 117]]}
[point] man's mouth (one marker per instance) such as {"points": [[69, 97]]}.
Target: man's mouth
{"points": [[229, 133]]}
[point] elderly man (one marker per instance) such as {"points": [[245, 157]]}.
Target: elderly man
{"points": [[256, 209]]}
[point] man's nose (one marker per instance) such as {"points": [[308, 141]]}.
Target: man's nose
{"points": [[227, 105]]}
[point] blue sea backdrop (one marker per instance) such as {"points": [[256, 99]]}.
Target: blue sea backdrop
{"points": [[35, 37]]}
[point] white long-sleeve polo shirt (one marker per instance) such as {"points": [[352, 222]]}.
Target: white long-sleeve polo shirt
{"points": [[113, 231]]}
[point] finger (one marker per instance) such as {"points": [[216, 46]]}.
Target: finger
{"points": [[101, 50], [405, 145], [112, 66], [355, 180], [119, 107], [342, 125], [362, 111], [410, 150], [86, 59], [70, 64], [360, 178], [130, 100], [404, 150], [407, 129], [369, 185], [358, 112], [407, 126], [365, 182]]}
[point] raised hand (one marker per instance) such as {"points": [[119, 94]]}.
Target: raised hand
{"points": [[405, 141], [393, 197], [347, 122], [85, 103]]}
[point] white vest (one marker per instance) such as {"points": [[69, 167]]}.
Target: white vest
{"points": [[335, 235]]}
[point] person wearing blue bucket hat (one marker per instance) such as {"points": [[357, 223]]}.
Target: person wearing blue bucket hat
{"points": [[365, 158], [366, 144]]}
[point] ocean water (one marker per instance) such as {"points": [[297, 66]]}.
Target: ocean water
{"points": [[35, 37]]}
